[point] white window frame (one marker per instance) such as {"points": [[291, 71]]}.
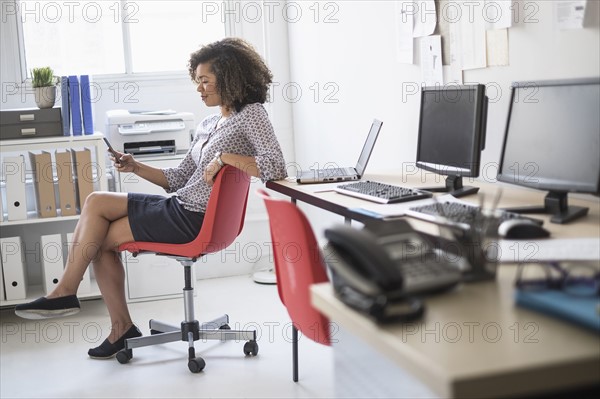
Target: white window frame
{"points": [[230, 25]]}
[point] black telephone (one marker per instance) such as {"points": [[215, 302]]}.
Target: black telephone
{"points": [[381, 268]]}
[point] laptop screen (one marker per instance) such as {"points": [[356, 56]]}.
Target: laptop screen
{"points": [[365, 154]]}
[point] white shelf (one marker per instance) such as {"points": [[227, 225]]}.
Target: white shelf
{"points": [[35, 219], [23, 146], [49, 140], [36, 291]]}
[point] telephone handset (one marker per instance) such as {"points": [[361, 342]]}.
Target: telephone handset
{"points": [[381, 268], [368, 262]]}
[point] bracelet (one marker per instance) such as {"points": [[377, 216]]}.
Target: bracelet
{"points": [[218, 158]]}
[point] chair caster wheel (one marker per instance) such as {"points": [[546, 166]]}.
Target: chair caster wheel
{"points": [[124, 356], [251, 348], [196, 364]]}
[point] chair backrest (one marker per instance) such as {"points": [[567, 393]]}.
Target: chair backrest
{"points": [[298, 265], [223, 220]]}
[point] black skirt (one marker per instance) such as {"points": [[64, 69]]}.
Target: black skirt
{"points": [[157, 218]]}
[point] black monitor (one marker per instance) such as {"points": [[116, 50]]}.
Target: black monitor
{"points": [[452, 129], [551, 143]]}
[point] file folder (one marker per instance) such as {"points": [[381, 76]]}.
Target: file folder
{"points": [[65, 105], [581, 310], [84, 169], [74, 96], [13, 267], [66, 183], [13, 169], [85, 287], [52, 261], [86, 104], [43, 181]]}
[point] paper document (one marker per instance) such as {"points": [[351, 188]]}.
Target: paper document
{"points": [[560, 249], [431, 60], [498, 14], [570, 14], [404, 33], [424, 15]]}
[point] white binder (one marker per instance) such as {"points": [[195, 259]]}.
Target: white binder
{"points": [[1, 209], [52, 261], [13, 267], [85, 287], [14, 174], [2, 296]]}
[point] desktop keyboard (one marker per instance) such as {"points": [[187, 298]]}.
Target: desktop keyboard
{"points": [[457, 214], [381, 192]]}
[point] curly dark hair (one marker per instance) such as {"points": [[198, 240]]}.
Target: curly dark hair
{"points": [[242, 75]]}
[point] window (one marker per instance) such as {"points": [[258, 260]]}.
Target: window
{"points": [[115, 36]]}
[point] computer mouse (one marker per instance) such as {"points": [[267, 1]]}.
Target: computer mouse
{"points": [[521, 228]]}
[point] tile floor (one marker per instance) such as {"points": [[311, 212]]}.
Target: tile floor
{"points": [[48, 358]]}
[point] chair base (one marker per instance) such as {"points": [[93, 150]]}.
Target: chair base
{"points": [[217, 329], [190, 329]]}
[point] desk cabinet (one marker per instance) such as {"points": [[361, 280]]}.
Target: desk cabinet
{"points": [[31, 229]]}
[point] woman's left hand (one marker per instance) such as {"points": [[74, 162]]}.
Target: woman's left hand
{"points": [[211, 171]]}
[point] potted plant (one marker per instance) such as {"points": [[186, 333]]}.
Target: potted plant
{"points": [[44, 86]]}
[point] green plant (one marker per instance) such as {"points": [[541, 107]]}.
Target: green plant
{"points": [[42, 77]]}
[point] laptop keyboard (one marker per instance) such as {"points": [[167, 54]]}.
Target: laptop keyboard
{"points": [[381, 192], [334, 172], [457, 214]]}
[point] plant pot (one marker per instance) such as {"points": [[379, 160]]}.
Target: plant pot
{"points": [[45, 96]]}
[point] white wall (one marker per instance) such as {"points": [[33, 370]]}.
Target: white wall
{"points": [[357, 53]]}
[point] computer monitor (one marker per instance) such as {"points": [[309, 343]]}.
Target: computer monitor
{"points": [[452, 128], [551, 143]]}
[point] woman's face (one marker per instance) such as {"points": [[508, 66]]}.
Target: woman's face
{"points": [[207, 85]]}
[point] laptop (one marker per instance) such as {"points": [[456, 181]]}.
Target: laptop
{"points": [[334, 174]]}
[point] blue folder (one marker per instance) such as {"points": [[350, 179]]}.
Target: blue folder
{"points": [[584, 311], [65, 105], [86, 104], [75, 105]]}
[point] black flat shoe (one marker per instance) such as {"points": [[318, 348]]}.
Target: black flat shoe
{"points": [[106, 350], [44, 308]]}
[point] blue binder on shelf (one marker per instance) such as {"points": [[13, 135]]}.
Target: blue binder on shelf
{"points": [[86, 104], [75, 96], [65, 105], [582, 310]]}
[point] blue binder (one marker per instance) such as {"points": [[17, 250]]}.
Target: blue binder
{"points": [[74, 95], [86, 104], [65, 105], [584, 311]]}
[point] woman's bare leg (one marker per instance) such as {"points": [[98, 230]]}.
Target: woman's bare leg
{"points": [[100, 209], [102, 227], [110, 276]]}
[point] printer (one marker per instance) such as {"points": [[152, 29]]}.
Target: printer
{"points": [[150, 133]]}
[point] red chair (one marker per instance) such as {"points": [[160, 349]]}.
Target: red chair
{"points": [[223, 222], [298, 265]]}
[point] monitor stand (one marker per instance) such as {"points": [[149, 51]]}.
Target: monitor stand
{"points": [[454, 186], [555, 204]]}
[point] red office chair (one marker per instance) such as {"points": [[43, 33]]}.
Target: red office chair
{"points": [[223, 222], [298, 265]]}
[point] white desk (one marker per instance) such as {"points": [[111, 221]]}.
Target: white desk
{"points": [[472, 342]]}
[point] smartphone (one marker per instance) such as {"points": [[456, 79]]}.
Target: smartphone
{"points": [[112, 150]]}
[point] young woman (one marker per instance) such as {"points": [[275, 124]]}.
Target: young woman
{"points": [[230, 75]]}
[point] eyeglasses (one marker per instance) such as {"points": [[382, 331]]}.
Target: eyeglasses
{"points": [[576, 279]]}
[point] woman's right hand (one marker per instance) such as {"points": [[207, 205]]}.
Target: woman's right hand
{"points": [[126, 163]]}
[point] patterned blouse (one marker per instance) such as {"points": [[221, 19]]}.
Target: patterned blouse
{"points": [[248, 132]]}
